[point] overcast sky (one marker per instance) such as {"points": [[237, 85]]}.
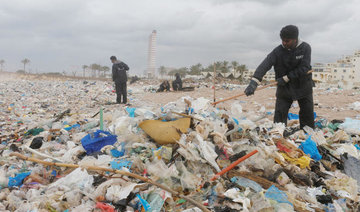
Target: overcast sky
{"points": [[58, 35]]}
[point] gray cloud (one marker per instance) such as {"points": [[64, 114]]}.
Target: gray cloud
{"points": [[63, 35]]}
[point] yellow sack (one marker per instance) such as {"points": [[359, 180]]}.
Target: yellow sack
{"points": [[165, 132]]}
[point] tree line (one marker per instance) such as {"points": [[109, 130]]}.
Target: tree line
{"points": [[96, 70], [24, 62], [197, 69]]}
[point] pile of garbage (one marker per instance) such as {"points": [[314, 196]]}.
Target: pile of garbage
{"points": [[64, 149]]}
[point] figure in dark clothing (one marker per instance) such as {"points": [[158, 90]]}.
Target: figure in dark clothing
{"points": [[164, 86], [134, 79], [119, 76], [177, 83], [291, 62]]}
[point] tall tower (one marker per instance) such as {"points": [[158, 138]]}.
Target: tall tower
{"points": [[152, 55]]}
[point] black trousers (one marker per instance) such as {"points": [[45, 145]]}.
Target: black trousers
{"points": [[306, 113], [120, 88]]}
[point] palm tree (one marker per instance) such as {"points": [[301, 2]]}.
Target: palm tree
{"points": [[25, 61], [241, 69], [2, 64], [182, 71], [162, 70], [94, 67], [105, 69], [234, 65], [196, 69], [209, 68], [225, 66], [84, 67], [218, 65]]}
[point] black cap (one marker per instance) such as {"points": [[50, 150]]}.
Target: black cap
{"points": [[289, 32], [112, 58]]}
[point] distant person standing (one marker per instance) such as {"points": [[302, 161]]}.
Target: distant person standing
{"points": [[119, 76]]}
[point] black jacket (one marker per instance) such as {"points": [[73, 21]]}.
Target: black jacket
{"points": [[119, 72], [295, 64]]}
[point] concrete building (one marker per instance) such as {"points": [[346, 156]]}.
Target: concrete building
{"points": [[322, 72], [151, 69], [345, 70], [269, 76]]}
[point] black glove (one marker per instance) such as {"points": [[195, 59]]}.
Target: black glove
{"points": [[280, 81], [251, 88]]}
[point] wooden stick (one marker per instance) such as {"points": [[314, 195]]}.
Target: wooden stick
{"points": [[185, 115], [243, 94], [97, 168]]}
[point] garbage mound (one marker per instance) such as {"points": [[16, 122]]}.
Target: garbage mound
{"points": [[65, 147]]}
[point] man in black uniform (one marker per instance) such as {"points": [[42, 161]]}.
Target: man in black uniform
{"points": [[119, 76], [291, 62]]}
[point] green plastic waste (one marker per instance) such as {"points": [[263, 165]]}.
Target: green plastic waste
{"points": [[34, 131]]}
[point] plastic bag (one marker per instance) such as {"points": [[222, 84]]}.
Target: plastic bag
{"points": [[244, 182], [317, 136], [236, 109], [352, 167], [131, 111], [76, 179], [120, 164], [309, 147], [292, 116], [105, 207], [275, 194], [188, 180], [237, 196], [351, 126], [115, 193], [18, 179], [93, 142], [207, 151]]}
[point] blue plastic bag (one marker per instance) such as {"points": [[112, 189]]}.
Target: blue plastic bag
{"points": [[279, 196], [310, 148], [292, 116], [18, 179], [116, 153], [131, 111], [93, 142]]}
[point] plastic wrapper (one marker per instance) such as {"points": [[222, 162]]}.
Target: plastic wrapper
{"points": [[188, 180], [116, 193]]}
